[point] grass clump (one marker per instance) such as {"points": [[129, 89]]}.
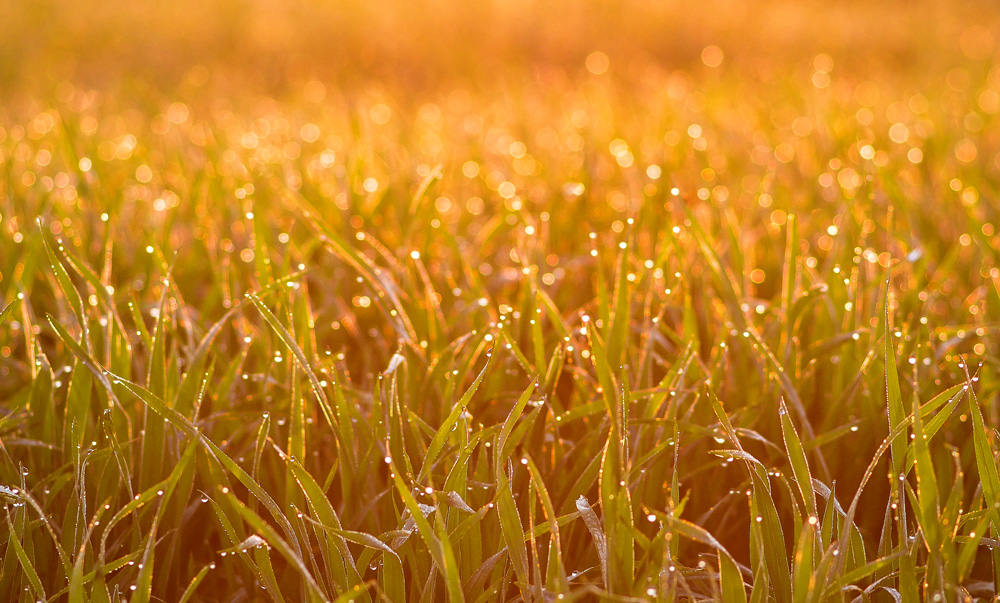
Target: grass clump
{"points": [[688, 335]]}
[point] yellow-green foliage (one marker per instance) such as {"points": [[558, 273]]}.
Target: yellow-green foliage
{"points": [[490, 302]]}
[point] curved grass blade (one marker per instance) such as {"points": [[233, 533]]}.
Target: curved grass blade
{"points": [[730, 578], [6, 311], [26, 565], [393, 582], [556, 571], [192, 431], [440, 548], [274, 539], [798, 461], [193, 585]]}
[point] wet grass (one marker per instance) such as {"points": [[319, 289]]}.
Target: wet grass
{"points": [[675, 336]]}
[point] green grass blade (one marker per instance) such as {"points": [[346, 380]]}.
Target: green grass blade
{"points": [[26, 565], [798, 461]]}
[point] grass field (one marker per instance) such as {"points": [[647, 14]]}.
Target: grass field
{"points": [[494, 302]]}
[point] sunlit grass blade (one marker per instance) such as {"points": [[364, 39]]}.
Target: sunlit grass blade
{"points": [[988, 475], [799, 463], [556, 570], [340, 561], [7, 310], [192, 431], [616, 503], [303, 363], [440, 548], [775, 557], [596, 529], [803, 566], [26, 565], [192, 586], [68, 289], [393, 582], [442, 434], [274, 539], [510, 521], [730, 578]]}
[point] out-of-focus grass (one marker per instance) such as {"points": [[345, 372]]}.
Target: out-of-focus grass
{"points": [[432, 43], [563, 302]]}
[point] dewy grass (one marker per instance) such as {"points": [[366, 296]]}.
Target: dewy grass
{"points": [[589, 332]]}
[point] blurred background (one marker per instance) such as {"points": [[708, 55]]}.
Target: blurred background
{"points": [[270, 44]]}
